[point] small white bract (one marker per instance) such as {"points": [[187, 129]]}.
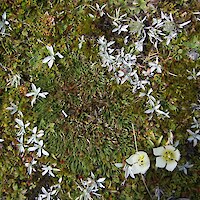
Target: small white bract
{"points": [[36, 93], [50, 59], [168, 157]]}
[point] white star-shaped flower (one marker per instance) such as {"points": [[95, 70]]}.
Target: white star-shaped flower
{"points": [[48, 169], [50, 59], [29, 166], [34, 137], [39, 147], [36, 93], [194, 136]]}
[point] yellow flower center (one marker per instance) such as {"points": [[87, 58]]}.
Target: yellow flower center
{"points": [[141, 160], [168, 155]]}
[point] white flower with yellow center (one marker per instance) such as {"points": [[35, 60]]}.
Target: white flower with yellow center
{"points": [[140, 162], [168, 157]]}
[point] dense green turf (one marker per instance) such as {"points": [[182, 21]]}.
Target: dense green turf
{"points": [[98, 130]]}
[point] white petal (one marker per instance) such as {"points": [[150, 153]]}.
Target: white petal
{"points": [[47, 59], [160, 162], [34, 130], [184, 24], [20, 122], [30, 94], [50, 63], [101, 180], [171, 165], [33, 87], [32, 148], [158, 151], [177, 155], [149, 111], [45, 152], [44, 172], [132, 172], [59, 55], [170, 147], [119, 165], [132, 159], [4, 16], [33, 101], [44, 190], [120, 73], [51, 174], [50, 48], [43, 94]]}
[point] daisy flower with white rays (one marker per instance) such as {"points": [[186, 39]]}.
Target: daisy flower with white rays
{"points": [[36, 93], [35, 136], [30, 167], [39, 147], [48, 169], [194, 137], [168, 156], [50, 59], [139, 161], [14, 109]]}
